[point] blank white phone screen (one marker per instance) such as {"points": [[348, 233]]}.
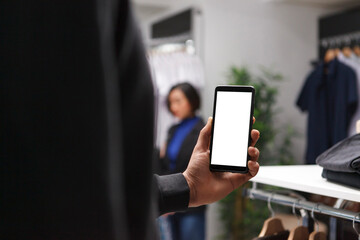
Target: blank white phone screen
{"points": [[231, 129]]}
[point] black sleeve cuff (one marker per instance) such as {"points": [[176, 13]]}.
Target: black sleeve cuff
{"points": [[173, 193]]}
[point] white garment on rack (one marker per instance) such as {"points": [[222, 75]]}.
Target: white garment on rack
{"points": [[169, 69], [356, 58], [355, 65]]}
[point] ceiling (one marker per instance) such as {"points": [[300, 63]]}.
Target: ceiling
{"points": [[147, 9], [144, 11], [320, 3]]}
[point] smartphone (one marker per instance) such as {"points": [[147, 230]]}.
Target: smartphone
{"points": [[231, 129]]}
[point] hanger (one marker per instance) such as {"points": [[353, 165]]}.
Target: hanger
{"points": [[337, 52], [271, 225], [330, 54], [316, 235], [356, 50], [347, 51], [355, 227], [294, 212], [356, 44], [300, 232]]}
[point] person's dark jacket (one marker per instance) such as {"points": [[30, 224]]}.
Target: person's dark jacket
{"points": [[76, 117], [184, 154], [185, 151]]}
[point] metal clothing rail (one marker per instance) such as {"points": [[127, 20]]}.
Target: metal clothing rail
{"points": [[337, 41], [181, 38], [254, 193]]}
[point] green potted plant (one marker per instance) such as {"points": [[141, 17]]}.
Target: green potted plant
{"points": [[243, 219]]}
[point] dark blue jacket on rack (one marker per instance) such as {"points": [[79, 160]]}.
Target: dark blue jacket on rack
{"points": [[329, 96]]}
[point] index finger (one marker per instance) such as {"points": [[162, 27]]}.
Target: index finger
{"points": [[204, 136]]}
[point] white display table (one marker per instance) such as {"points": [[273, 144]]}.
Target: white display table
{"points": [[305, 178]]}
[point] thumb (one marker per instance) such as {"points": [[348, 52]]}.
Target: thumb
{"points": [[204, 136]]}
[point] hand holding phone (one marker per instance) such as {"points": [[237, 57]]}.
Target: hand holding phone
{"points": [[231, 129], [207, 186]]}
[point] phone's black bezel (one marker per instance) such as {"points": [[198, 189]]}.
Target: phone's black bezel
{"points": [[232, 88]]}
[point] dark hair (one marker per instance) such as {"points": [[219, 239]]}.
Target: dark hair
{"points": [[190, 93]]}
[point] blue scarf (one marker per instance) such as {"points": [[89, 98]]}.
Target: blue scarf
{"points": [[181, 132]]}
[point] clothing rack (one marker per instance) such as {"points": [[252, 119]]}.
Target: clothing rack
{"points": [[181, 38], [254, 193], [336, 30], [341, 40], [187, 46], [307, 179]]}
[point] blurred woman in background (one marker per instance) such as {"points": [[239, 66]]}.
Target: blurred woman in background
{"points": [[183, 101]]}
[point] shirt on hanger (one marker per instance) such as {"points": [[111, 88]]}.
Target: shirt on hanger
{"points": [[330, 100], [355, 65]]}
